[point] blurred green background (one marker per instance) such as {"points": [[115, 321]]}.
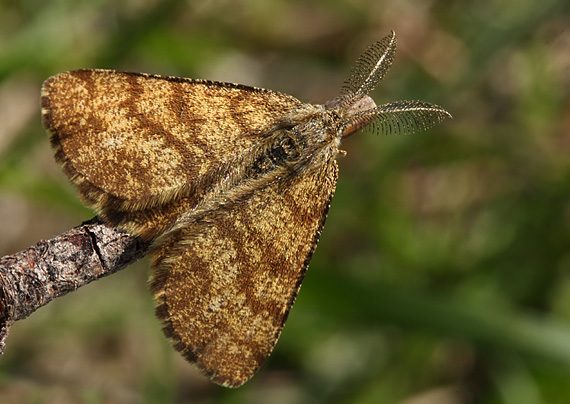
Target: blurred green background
{"points": [[442, 275]]}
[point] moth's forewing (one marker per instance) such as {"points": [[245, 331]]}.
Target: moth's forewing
{"points": [[224, 286], [132, 142]]}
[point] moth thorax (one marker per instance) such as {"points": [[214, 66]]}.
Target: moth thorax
{"points": [[282, 151]]}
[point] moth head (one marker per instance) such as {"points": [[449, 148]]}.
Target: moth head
{"points": [[355, 112]]}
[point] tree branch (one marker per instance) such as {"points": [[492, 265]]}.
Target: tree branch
{"points": [[52, 268]]}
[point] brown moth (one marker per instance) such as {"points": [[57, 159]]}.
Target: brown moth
{"points": [[231, 183]]}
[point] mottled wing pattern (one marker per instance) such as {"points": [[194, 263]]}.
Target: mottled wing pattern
{"points": [[133, 141], [223, 288]]}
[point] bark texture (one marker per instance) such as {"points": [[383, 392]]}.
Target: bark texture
{"points": [[32, 278]]}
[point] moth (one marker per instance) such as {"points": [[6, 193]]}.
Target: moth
{"points": [[231, 183]]}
